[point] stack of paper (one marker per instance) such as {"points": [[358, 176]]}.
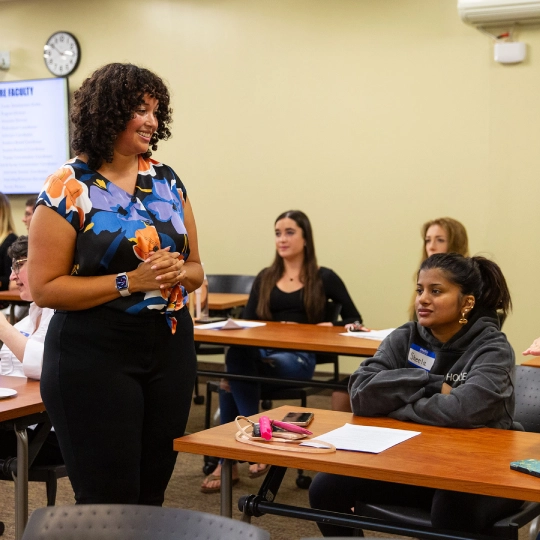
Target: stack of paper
{"points": [[364, 438], [377, 335], [229, 324]]}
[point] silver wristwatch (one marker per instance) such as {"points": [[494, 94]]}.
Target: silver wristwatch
{"points": [[122, 284]]}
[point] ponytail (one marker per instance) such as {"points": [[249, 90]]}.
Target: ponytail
{"points": [[494, 294]]}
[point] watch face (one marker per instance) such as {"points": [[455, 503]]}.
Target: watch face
{"points": [[62, 54], [121, 282]]}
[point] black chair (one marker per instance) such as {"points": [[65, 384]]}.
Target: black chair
{"points": [[527, 413], [49, 474], [222, 283], [134, 522], [230, 283]]}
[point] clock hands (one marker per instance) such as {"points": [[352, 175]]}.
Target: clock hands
{"points": [[61, 53]]}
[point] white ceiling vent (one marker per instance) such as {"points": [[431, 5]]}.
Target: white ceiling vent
{"points": [[499, 12]]}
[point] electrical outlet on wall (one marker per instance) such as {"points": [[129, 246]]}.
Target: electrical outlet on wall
{"points": [[4, 59]]}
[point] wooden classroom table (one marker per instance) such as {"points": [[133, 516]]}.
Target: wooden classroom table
{"points": [[300, 337], [18, 412], [532, 362], [222, 301], [13, 297], [465, 460], [304, 337]]}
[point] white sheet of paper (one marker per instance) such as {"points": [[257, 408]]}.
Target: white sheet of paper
{"points": [[229, 324], [377, 335], [365, 438]]}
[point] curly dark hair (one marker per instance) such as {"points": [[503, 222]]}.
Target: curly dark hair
{"points": [[106, 102]]}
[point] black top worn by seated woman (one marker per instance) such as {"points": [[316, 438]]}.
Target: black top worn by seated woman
{"points": [[5, 261], [290, 306], [244, 396]]}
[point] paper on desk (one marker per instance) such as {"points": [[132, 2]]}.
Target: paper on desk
{"points": [[364, 438], [377, 335], [229, 324]]}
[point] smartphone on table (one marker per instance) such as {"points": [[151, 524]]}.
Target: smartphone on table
{"points": [[210, 320], [299, 418]]}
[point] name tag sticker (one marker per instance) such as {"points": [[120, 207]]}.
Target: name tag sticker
{"points": [[420, 357]]}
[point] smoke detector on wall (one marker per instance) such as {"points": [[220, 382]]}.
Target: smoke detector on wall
{"points": [[501, 13]]}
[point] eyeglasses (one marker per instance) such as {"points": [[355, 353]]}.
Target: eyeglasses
{"points": [[17, 265]]}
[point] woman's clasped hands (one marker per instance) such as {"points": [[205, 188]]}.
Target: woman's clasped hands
{"points": [[162, 269]]}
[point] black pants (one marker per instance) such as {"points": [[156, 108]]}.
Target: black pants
{"points": [[118, 390], [449, 509]]}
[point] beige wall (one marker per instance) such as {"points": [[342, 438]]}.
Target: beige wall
{"points": [[372, 116]]}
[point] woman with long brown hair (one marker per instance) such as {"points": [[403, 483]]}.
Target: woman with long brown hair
{"points": [[293, 289]]}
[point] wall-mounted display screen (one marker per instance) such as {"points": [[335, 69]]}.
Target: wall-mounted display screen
{"points": [[34, 133]]}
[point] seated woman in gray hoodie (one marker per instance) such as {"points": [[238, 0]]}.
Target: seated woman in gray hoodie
{"points": [[452, 368]]}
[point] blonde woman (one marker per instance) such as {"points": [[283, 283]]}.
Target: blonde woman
{"points": [[441, 235], [7, 237]]}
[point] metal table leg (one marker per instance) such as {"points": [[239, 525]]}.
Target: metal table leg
{"points": [[226, 488], [21, 483]]}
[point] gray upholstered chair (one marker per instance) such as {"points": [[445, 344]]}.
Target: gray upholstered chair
{"points": [[132, 522]]}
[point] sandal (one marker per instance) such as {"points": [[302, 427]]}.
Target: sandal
{"points": [[214, 479], [259, 472]]}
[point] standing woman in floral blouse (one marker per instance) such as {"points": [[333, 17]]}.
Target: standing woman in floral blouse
{"points": [[114, 251]]}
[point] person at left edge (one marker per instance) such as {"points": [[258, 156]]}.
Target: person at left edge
{"points": [[7, 237], [21, 354], [113, 250], [29, 211]]}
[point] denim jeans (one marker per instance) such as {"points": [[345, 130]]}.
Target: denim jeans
{"points": [[243, 398]]}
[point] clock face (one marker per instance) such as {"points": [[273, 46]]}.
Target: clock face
{"points": [[62, 54]]}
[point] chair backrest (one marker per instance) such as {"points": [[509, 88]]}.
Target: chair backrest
{"points": [[123, 522], [527, 390], [332, 311], [230, 283]]}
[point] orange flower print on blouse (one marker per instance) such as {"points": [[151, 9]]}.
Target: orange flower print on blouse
{"points": [[117, 230], [66, 192], [146, 242], [175, 301]]}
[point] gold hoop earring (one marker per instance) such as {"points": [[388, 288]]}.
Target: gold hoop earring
{"points": [[463, 320]]}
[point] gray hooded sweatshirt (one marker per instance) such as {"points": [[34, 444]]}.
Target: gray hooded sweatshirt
{"points": [[404, 378]]}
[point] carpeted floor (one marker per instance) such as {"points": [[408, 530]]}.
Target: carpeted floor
{"points": [[183, 490]]}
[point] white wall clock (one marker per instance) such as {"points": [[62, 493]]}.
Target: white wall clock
{"points": [[62, 53]]}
